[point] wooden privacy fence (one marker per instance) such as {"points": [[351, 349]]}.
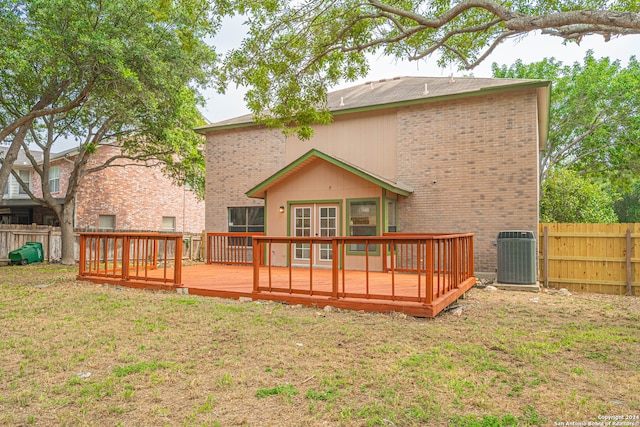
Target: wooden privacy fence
{"points": [[15, 236], [600, 258], [132, 258]]}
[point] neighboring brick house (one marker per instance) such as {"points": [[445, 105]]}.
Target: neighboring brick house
{"points": [[133, 197], [410, 154]]}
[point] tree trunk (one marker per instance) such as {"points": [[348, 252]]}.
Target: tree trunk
{"points": [[67, 234], [11, 155]]}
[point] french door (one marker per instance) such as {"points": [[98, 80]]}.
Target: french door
{"points": [[313, 220]]}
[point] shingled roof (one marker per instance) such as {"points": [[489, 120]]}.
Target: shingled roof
{"points": [[23, 160], [400, 91]]}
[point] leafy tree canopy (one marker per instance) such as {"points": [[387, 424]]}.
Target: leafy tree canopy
{"points": [[569, 197], [628, 206], [124, 72], [296, 49], [119, 69], [595, 116]]}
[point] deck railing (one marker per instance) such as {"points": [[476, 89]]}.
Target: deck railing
{"points": [[131, 257], [436, 265], [230, 248]]}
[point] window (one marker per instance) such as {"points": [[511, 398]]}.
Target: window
{"points": [[25, 176], [392, 226], [107, 222], [168, 223], [54, 179], [363, 221], [246, 219]]}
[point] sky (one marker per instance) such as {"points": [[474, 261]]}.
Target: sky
{"points": [[532, 48]]}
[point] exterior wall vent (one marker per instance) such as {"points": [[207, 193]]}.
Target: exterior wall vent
{"points": [[517, 257]]}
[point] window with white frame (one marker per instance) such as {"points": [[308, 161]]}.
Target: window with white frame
{"points": [[54, 179], [168, 223], [107, 222], [25, 176]]}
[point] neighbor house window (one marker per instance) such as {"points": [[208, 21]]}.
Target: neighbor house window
{"points": [[168, 223], [246, 219], [363, 221], [107, 222], [25, 176], [54, 179]]}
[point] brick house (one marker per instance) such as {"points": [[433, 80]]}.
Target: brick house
{"points": [[409, 154], [116, 198]]}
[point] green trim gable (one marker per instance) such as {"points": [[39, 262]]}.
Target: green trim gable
{"points": [[259, 190]]}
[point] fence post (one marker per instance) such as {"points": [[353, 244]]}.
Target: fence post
{"points": [[545, 255], [203, 247], [629, 248]]}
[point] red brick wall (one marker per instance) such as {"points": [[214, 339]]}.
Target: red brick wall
{"points": [[138, 196]]}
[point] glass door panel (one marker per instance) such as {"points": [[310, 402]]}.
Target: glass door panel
{"points": [[327, 228], [301, 228]]}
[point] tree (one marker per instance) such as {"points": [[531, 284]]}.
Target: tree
{"points": [[59, 55], [124, 72], [295, 50], [595, 116], [569, 197], [628, 206]]}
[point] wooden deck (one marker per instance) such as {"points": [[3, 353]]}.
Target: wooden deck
{"points": [[421, 274], [237, 281]]}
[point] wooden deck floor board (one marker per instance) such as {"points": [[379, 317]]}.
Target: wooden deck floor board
{"points": [[237, 281]]}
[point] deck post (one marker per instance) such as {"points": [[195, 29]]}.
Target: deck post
{"points": [[83, 254], [126, 241], [455, 273], [207, 238], [428, 285], [257, 244], [177, 268], [385, 250], [335, 263]]}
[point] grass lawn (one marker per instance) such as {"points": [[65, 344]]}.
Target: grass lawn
{"points": [[76, 353]]}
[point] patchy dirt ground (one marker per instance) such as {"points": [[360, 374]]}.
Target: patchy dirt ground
{"points": [[75, 353]]}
